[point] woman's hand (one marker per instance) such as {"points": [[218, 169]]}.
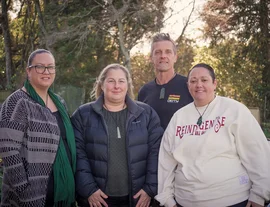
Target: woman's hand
{"points": [[97, 199], [250, 203], [144, 200]]}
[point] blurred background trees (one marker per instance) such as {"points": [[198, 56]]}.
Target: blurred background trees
{"points": [[85, 36], [239, 37]]}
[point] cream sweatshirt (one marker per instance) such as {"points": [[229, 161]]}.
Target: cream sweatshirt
{"points": [[221, 163]]}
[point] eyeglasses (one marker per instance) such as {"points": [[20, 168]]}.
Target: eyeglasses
{"points": [[41, 68]]}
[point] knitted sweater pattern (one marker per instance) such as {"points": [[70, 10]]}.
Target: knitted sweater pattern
{"points": [[29, 138]]}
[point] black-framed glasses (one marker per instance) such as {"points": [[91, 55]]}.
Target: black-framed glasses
{"points": [[41, 68]]}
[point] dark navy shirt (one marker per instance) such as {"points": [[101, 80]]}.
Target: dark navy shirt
{"points": [[176, 96]]}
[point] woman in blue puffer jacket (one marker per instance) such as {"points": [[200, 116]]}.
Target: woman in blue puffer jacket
{"points": [[117, 142]]}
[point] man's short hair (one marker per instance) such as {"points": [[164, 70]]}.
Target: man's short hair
{"points": [[163, 37]]}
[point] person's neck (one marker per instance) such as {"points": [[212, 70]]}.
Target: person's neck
{"points": [[203, 103], [164, 77], [118, 106]]}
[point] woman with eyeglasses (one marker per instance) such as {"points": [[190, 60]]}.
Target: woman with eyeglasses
{"points": [[37, 142]]}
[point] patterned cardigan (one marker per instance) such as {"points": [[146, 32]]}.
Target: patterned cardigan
{"points": [[29, 137]]}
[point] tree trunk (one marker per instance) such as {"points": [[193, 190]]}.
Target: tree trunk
{"points": [[41, 24], [118, 15], [124, 50], [7, 42], [187, 22]]}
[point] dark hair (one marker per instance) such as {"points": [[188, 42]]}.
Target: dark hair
{"points": [[163, 37], [206, 66], [34, 53]]}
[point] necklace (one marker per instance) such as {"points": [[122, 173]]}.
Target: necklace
{"points": [[162, 90], [116, 121], [199, 121]]}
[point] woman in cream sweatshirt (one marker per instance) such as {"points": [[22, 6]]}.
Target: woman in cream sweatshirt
{"points": [[213, 152]]}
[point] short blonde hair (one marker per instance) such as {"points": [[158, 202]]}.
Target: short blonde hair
{"points": [[97, 91]]}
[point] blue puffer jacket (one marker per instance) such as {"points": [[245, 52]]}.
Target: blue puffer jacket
{"points": [[142, 142]]}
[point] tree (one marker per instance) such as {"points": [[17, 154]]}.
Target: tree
{"points": [[237, 75], [7, 39], [123, 23], [142, 71], [248, 21], [185, 52], [84, 36]]}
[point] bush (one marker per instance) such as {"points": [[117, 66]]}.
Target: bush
{"points": [[266, 130]]}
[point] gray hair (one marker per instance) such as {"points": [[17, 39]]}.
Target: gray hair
{"points": [[162, 37]]}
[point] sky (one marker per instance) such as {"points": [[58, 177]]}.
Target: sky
{"points": [[175, 18]]}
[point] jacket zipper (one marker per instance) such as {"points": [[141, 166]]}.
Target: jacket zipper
{"points": [[108, 142]]}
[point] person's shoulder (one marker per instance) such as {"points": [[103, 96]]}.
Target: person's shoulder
{"points": [[232, 104], [144, 90], [16, 97], [15, 102], [142, 104], [229, 101], [184, 111], [86, 107], [145, 107], [181, 78], [185, 108], [149, 84], [84, 111]]}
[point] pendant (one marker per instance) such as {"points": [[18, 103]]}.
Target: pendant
{"points": [[199, 122], [118, 133], [162, 93]]}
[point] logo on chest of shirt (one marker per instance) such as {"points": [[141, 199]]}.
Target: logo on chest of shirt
{"points": [[173, 98], [195, 129]]}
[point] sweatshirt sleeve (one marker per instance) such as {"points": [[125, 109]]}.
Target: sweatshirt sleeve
{"points": [[254, 152], [166, 168]]}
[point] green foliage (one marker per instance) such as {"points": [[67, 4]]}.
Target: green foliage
{"points": [[239, 34], [266, 130], [185, 53], [237, 76], [142, 71], [2, 63], [83, 35]]}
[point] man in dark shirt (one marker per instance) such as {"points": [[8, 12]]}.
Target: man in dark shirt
{"points": [[168, 92]]}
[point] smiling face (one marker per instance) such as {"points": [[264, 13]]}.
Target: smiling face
{"points": [[45, 80], [163, 56], [201, 86], [115, 86]]}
